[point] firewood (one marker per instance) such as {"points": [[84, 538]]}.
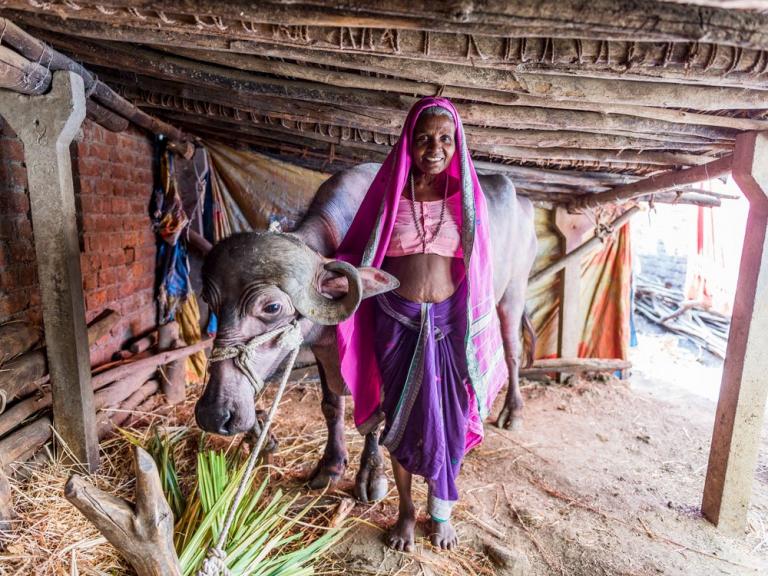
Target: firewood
{"points": [[141, 532], [108, 420], [151, 406], [575, 365], [16, 338], [102, 325], [6, 511], [144, 343], [100, 380], [20, 411], [119, 390], [24, 442], [18, 373], [173, 378]]}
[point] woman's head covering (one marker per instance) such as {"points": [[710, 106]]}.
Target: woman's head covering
{"points": [[365, 244]]}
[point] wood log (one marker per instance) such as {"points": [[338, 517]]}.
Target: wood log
{"points": [[142, 532], [113, 374], [20, 75], [656, 183], [144, 343], [584, 249], [694, 62], [236, 83], [35, 50], [574, 366], [105, 117], [152, 407], [601, 19], [109, 419], [21, 411], [173, 377], [425, 78], [16, 338], [24, 442], [16, 375], [671, 125], [119, 390], [100, 326], [7, 514]]}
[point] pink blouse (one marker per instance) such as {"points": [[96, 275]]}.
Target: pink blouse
{"points": [[405, 239]]}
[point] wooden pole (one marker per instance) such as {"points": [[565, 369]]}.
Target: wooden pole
{"points": [[572, 228], [583, 249], [665, 181], [743, 392], [46, 125]]}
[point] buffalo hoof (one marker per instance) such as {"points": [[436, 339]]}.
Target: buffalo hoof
{"points": [[325, 475], [510, 419], [371, 484]]}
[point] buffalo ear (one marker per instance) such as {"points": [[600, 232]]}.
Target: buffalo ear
{"points": [[375, 281]]}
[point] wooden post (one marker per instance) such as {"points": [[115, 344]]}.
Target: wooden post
{"points": [[572, 227], [46, 125], [743, 391]]}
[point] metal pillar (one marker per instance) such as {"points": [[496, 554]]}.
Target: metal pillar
{"points": [[46, 125], [740, 409]]}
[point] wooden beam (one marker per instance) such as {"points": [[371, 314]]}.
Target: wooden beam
{"points": [[656, 183], [174, 95], [539, 92], [165, 67], [425, 78], [606, 19], [20, 75], [46, 125], [581, 251], [741, 406]]}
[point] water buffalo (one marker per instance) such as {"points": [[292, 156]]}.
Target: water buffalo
{"points": [[256, 282]]}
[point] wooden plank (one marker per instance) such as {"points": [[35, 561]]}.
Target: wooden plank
{"points": [[743, 393], [46, 125]]}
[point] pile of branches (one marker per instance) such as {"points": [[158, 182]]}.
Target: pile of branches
{"points": [[690, 318]]}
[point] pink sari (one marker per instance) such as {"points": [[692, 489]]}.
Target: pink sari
{"points": [[366, 245]]}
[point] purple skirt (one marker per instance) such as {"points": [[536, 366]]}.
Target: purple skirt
{"points": [[422, 360]]}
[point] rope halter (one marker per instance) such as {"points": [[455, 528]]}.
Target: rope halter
{"points": [[288, 337]]}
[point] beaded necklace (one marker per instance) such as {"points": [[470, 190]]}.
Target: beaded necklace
{"points": [[422, 232]]}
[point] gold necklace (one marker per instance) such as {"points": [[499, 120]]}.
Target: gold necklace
{"points": [[422, 232]]}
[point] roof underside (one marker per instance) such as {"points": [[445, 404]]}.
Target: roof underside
{"points": [[568, 96]]}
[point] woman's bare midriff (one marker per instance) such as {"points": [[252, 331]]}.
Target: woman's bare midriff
{"points": [[426, 277]]}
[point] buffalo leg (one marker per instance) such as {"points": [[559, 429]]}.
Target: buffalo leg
{"points": [[371, 479], [510, 311], [332, 465]]}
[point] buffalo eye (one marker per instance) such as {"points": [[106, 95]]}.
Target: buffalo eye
{"points": [[272, 308]]}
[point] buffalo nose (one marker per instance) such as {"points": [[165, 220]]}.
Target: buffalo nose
{"points": [[225, 423]]}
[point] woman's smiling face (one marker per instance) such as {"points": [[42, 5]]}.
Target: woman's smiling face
{"points": [[433, 143]]}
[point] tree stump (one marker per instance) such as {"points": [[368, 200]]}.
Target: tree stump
{"points": [[141, 533]]}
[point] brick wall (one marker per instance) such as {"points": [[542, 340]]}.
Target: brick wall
{"points": [[113, 180]]}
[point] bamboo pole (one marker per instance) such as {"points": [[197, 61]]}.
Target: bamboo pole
{"points": [[657, 183], [583, 249]]}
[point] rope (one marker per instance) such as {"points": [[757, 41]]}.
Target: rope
{"points": [[290, 337]]}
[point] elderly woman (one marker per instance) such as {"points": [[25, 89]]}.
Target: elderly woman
{"points": [[421, 358]]}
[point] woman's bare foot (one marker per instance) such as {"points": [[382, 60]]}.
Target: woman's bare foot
{"points": [[443, 535], [400, 537]]}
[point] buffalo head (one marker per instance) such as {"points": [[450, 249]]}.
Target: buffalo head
{"points": [[256, 283]]}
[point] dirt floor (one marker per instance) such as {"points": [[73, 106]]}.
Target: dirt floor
{"points": [[605, 478]]}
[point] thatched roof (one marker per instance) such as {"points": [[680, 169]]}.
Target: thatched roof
{"points": [[569, 96]]}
